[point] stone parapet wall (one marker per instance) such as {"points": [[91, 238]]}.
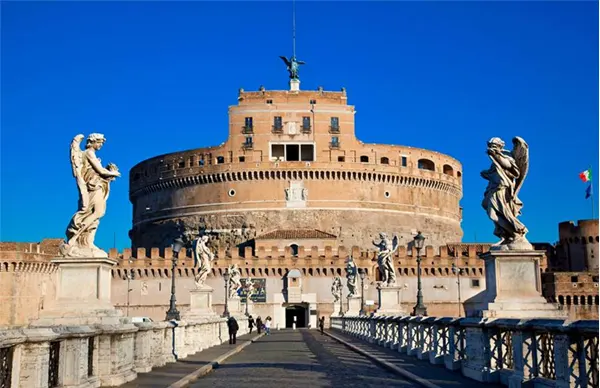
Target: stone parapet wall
{"points": [[94, 356]]}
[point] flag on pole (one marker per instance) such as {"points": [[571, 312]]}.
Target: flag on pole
{"points": [[586, 176], [588, 191]]}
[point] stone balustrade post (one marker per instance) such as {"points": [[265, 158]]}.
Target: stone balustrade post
{"points": [[403, 335], [372, 335], [413, 336], [453, 359], [435, 351], [142, 355], [477, 352], [563, 360]]}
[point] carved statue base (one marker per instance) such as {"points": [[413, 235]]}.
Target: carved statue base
{"points": [[519, 244], [353, 306], [67, 250], [235, 306], [390, 300], [513, 288], [200, 304], [82, 294]]}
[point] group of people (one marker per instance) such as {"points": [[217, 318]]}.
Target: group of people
{"points": [[233, 326]]}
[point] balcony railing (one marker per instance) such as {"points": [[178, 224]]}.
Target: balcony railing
{"points": [[248, 145], [247, 129], [333, 129], [334, 145], [277, 129], [306, 129]]}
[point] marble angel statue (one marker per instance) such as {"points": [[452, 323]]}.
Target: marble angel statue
{"points": [[93, 183], [351, 272], [336, 289], [387, 248], [501, 202], [249, 287], [235, 280], [202, 260]]}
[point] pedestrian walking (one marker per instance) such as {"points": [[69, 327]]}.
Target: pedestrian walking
{"points": [[233, 328], [251, 324], [268, 325], [259, 324], [322, 324]]}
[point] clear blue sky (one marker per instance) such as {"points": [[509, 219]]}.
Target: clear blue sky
{"points": [[157, 77]]}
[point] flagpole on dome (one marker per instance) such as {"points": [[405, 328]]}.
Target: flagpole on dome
{"points": [[592, 192]]}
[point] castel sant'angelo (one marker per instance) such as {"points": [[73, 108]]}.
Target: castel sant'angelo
{"points": [[292, 162]]}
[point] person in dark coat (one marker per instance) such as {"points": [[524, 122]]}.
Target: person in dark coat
{"points": [[322, 324], [233, 327], [259, 324], [250, 323]]}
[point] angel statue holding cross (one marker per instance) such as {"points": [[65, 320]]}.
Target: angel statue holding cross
{"points": [[387, 248]]}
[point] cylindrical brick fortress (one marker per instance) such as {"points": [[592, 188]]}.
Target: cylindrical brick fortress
{"points": [[292, 161]]}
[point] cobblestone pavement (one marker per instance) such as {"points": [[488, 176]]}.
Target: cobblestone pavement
{"points": [[299, 358]]}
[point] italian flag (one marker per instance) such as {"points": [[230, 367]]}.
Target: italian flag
{"points": [[586, 176]]}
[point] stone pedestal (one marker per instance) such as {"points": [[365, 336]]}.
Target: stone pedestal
{"points": [[200, 304], [82, 294], [390, 300], [336, 309], [295, 85], [513, 288], [235, 306], [353, 306]]}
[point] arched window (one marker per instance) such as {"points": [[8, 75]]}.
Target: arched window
{"points": [[426, 164], [385, 160], [448, 170], [294, 248], [364, 159]]}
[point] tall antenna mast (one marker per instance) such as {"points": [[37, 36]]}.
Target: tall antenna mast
{"points": [[293, 28]]}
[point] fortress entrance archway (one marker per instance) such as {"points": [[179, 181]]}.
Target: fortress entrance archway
{"points": [[299, 312]]}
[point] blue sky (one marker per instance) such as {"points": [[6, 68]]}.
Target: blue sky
{"points": [[157, 77]]}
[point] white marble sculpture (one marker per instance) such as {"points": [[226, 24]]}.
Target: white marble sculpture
{"points": [[249, 287], [336, 289], [501, 202], [235, 280], [93, 183], [351, 272], [385, 261], [202, 260]]}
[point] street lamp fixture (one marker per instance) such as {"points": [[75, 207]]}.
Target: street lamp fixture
{"points": [[419, 309], [247, 287], [173, 313], [226, 278], [362, 274], [458, 272]]}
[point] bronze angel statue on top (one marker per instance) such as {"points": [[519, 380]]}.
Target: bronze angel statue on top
{"points": [[501, 202], [93, 182], [293, 66], [387, 248]]}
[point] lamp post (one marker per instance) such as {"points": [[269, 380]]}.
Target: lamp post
{"points": [[129, 278], [247, 287], [362, 275], [341, 301], [172, 313], [458, 271], [226, 278], [419, 309]]}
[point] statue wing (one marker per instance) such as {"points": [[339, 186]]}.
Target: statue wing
{"points": [[394, 243], [77, 166], [287, 62], [520, 154], [195, 250], [301, 62]]}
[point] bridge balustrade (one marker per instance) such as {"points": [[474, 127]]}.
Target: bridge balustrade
{"points": [[101, 355], [542, 352]]}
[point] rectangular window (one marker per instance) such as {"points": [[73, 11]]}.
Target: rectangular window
{"points": [[269, 101], [307, 153], [277, 151], [306, 122], [277, 122], [475, 283], [335, 141], [341, 159], [335, 124], [248, 141], [248, 123], [292, 152], [313, 102], [403, 161], [242, 159]]}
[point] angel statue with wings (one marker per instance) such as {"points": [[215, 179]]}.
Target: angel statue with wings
{"points": [[351, 271], [235, 280], [293, 66], [93, 182], [501, 202], [202, 258], [336, 289], [387, 248]]}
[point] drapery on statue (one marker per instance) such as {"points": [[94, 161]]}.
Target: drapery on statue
{"points": [[501, 202], [336, 289], [235, 280], [249, 287], [351, 277], [202, 258], [387, 248], [93, 183], [293, 66]]}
